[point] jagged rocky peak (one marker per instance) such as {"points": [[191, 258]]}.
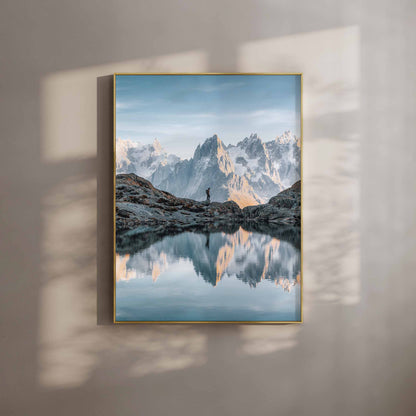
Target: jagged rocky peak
{"points": [[253, 146], [213, 153], [286, 137], [211, 146], [253, 138], [157, 146]]}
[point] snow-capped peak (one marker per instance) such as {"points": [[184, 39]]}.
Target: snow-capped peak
{"points": [[143, 160], [157, 146], [286, 137], [250, 139]]}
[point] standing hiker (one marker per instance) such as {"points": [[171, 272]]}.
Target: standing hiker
{"points": [[208, 195]]}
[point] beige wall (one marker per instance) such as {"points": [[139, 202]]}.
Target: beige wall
{"points": [[355, 353]]}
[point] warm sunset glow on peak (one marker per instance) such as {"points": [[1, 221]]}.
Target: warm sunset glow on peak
{"points": [[155, 272], [121, 270], [241, 237], [242, 199], [159, 266], [269, 250], [286, 283], [225, 255]]}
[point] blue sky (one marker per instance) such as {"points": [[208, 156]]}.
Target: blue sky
{"points": [[181, 111]]}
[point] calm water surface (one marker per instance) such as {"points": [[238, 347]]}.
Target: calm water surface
{"points": [[243, 276]]}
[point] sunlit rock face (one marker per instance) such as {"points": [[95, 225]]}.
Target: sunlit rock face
{"points": [[249, 173], [250, 257]]}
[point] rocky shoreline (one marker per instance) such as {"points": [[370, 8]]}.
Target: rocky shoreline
{"points": [[282, 209], [140, 204]]}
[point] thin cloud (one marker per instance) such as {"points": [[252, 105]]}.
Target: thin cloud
{"points": [[129, 105], [219, 87], [267, 116]]}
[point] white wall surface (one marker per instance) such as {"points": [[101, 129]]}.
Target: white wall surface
{"points": [[355, 353]]}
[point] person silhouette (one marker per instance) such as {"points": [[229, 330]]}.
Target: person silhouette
{"points": [[208, 195]]}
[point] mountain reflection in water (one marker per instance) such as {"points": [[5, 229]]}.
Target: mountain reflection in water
{"points": [[168, 280]]}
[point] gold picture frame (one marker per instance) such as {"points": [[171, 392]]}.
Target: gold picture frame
{"points": [[115, 321]]}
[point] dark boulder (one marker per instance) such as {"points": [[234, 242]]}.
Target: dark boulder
{"points": [[284, 208]]}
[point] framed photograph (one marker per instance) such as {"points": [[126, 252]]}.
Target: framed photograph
{"points": [[207, 198]]}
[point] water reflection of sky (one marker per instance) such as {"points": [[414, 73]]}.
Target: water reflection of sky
{"points": [[210, 277]]}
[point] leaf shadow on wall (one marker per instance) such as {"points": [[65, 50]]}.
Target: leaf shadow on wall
{"points": [[76, 354]]}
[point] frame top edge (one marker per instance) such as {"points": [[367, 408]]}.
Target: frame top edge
{"points": [[210, 73]]}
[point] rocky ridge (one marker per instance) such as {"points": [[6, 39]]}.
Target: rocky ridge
{"points": [[140, 204], [284, 208]]}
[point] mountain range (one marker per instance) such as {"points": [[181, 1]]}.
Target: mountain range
{"points": [[249, 173]]}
